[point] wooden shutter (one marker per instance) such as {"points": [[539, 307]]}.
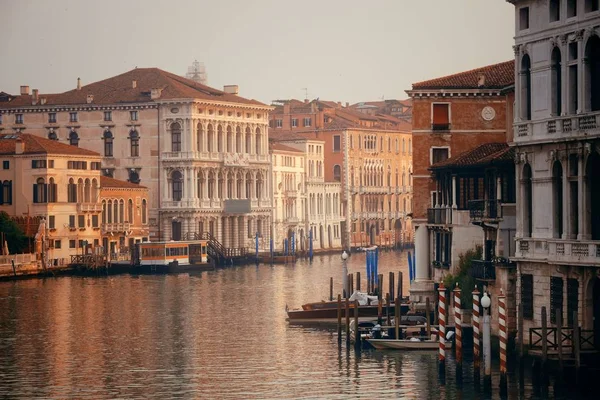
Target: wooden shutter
{"points": [[35, 193], [441, 115]]}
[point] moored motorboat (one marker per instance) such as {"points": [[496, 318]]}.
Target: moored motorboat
{"points": [[406, 344]]}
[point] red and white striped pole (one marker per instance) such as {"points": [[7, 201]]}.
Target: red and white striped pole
{"points": [[476, 344], [442, 327], [503, 340], [458, 332]]}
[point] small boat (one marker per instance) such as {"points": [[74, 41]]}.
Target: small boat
{"points": [[407, 344]]}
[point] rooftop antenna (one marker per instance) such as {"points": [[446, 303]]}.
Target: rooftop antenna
{"points": [[305, 93]]}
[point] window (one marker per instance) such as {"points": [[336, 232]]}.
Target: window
{"points": [[307, 121], [5, 164], [144, 212], [527, 295], [134, 176], [73, 117], [527, 201], [278, 123], [95, 221], [177, 183], [52, 135], [337, 173], [133, 115], [554, 8], [440, 116], [571, 8], [38, 164], [524, 18], [591, 5], [108, 144], [72, 243], [18, 118], [73, 138], [95, 166], [52, 118], [81, 221], [134, 138], [6, 192], [108, 115], [175, 137], [71, 221], [40, 191], [572, 299], [337, 143], [438, 155], [52, 191], [592, 73], [72, 191], [77, 164], [525, 77], [294, 122], [556, 297], [57, 244]]}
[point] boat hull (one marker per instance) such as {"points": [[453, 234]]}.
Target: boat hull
{"points": [[328, 311], [403, 344]]}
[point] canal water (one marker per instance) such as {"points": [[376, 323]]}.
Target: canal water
{"points": [[208, 335]]}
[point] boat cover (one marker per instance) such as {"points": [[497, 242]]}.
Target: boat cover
{"points": [[364, 298]]}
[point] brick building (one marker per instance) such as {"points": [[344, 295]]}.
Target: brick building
{"points": [[452, 115]]}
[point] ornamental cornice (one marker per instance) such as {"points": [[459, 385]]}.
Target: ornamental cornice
{"points": [[71, 108]]}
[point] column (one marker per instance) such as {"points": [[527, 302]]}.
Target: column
{"points": [[422, 253], [166, 192], [454, 206], [191, 225], [566, 198], [235, 231], [517, 110], [581, 214], [205, 184], [166, 233], [185, 131]]}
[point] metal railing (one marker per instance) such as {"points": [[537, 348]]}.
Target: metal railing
{"points": [[484, 270], [485, 209], [439, 215]]}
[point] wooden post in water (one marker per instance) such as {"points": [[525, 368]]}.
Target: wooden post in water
{"points": [[544, 347], [331, 289], [347, 322], [458, 333], [380, 287], [559, 341], [339, 317], [397, 314], [358, 281], [387, 310], [520, 334], [476, 343], [503, 342], [400, 285], [380, 311], [350, 284], [391, 291], [442, 329], [576, 346], [428, 316], [357, 338]]}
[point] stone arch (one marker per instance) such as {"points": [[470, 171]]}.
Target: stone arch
{"points": [[592, 73]]}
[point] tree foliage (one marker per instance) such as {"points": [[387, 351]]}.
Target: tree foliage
{"points": [[17, 241], [463, 277]]}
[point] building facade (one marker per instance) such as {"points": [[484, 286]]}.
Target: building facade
{"points": [[557, 146], [164, 131], [452, 115], [55, 181], [370, 156]]}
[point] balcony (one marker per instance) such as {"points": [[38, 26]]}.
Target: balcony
{"points": [[116, 227], [558, 251], [89, 207], [570, 126], [485, 210], [483, 270], [439, 216]]}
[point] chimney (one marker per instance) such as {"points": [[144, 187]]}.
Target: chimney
{"points": [[481, 80], [24, 90], [35, 99], [155, 93], [347, 104], [90, 98], [134, 84], [78, 83], [305, 101], [339, 104], [42, 100], [231, 89], [19, 146], [287, 109]]}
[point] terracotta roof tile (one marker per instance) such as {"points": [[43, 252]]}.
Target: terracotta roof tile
{"points": [[106, 182], [38, 145], [484, 154], [497, 76], [119, 89], [282, 147]]}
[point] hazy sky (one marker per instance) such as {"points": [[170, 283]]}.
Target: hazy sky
{"points": [[342, 50]]}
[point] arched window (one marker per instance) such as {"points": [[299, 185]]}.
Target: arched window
{"points": [[72, 191], [73, 139], [134, 142], [108, 143], [121, 211], [248, 141], [219, 138], [134, 176], [175, 137], [592, 73], [593, 195], [52, 195], [337, 173], [95, 190], [103, 212], [258, 141], [110, 211], [409, 146], [40, 191], [557, 201], [229, 139], [556, 82], [239, 148], [527, 201], [116, 211], [177, 183], [210, 139], [87, 191], [200, 137], [554, 8], [52, 135], [80, 190], [144, 212], [130, 216], [525, 77]]}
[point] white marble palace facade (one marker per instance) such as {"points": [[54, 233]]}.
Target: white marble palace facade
{"points": [[215, 171], [557, 146]]}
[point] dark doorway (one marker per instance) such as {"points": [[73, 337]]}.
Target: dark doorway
{"points": [[176, 230], [596, 299], [372, 235]]}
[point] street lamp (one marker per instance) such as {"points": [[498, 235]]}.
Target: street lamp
{"points": [[487, 349], [345, 273]]}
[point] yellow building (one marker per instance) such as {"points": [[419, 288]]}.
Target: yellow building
{"points": [[61, 183]]}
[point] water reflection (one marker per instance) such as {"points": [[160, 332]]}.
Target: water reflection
{"points": [[218, 334]]}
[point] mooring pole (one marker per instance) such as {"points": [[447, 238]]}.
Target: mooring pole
{"points": [[544, 377], [503, 342], [358, 281], [348, 322], [357, 338], [339, 318], [397, 314], [428, 316], [391, 291], [331, 288], [487, 348], [576, 346], [476, 344], [521, 348], [458, 334], [442, 329]]}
